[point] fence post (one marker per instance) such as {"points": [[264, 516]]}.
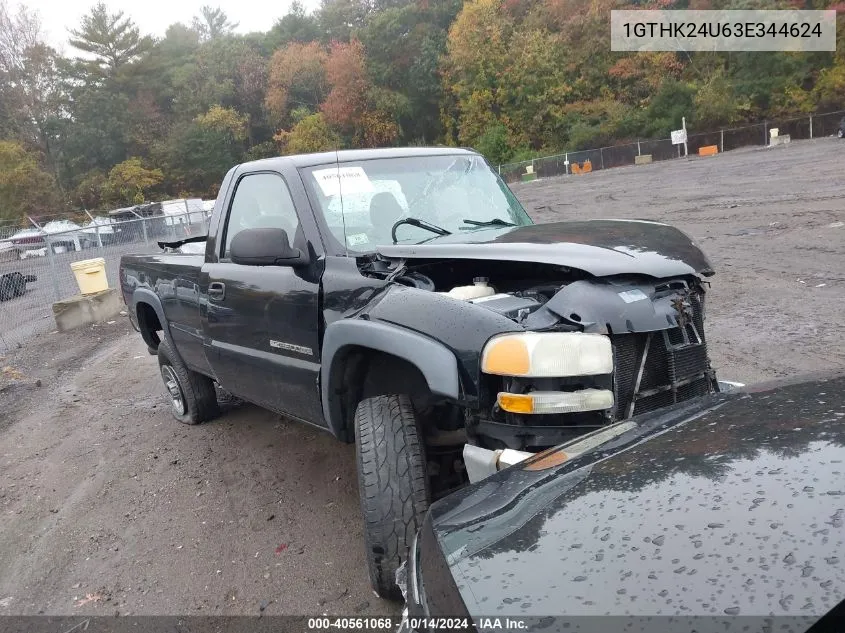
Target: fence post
{"points": [[143, 225], [639, 153], [566, 163], [721, 141], [601, 156], [765, 133], [53, 274], [96, 229], [204, 222], [811, 126]]}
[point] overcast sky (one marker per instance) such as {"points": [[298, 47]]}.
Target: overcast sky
{"points": [[154, 16]]}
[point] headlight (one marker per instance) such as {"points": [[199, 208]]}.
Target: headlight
{"points": [[548, 355]]}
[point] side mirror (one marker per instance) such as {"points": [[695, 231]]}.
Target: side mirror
{"points": [[265, 247]]}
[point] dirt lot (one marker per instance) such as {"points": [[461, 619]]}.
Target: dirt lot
{"points": [[107, 505]]}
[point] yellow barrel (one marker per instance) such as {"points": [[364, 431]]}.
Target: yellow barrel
{"points": [[90, 275]]}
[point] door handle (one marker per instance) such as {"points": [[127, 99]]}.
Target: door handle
{"points": [[217, 290]]}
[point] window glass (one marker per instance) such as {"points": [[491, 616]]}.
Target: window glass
{"points": [[261, 201], [361, 201]]}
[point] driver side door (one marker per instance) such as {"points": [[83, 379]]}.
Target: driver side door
{"points": [[262, 320]]}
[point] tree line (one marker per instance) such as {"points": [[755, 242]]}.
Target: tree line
{"points": [[127, 117]]}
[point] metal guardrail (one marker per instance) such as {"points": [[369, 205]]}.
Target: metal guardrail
{"points": [[48, 256], [798, 128]]}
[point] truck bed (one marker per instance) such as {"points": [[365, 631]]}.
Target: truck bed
{"points": [[174, 279]]}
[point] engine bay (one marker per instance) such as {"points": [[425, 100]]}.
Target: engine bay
{"points": [[655, 328], [512, 289], [541, 296]]}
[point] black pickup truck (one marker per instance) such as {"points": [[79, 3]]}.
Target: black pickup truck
{"points": [[402, 299]]}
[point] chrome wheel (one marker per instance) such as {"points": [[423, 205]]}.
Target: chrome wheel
{"points": [[174, 391]]}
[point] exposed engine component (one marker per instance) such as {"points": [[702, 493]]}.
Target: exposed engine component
{"points": [[480, 288], [512, 306], [416, 280]]}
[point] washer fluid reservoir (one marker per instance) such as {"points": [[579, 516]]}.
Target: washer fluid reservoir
{"points": [[478, 289]]}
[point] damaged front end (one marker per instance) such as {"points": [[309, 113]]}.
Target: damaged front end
{"points": [[655, 356], [567, 353]]}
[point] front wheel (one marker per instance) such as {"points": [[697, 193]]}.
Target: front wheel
{"points": [[840, 133], [192, 396], [392, 483]]}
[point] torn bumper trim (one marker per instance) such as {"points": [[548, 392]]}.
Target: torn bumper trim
{"points": [[481, 462]]}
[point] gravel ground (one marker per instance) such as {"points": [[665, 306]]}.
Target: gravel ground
{"points": [[107, 505], [772, 221]]}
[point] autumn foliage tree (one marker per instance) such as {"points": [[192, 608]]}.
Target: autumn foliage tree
{"points": [[513, 78], [502, 73], [25, 188], [311, 134], [351, 104], [297, 78], [129, 181], [347, 76]]}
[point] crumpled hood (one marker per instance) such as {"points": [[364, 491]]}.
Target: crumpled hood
{"points": [[730, 505], [598, 247]]}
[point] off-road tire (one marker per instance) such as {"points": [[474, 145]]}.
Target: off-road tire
{"points": [[197, 393], [392, 483]]}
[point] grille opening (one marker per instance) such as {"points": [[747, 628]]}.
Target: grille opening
{"points": [[675, 368]]}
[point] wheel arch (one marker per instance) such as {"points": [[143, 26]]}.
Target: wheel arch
{"points": [[149, 314], [362, 358]]}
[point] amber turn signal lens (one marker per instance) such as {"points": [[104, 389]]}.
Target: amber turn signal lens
{"points": [[516, 403]]}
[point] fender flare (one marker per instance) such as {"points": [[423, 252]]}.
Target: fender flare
{"points": [[435, 361], [145, 295]]}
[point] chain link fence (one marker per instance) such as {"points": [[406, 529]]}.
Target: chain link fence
{"points": [[568, 163], [35, 263]]}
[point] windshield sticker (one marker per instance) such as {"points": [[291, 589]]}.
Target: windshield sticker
{"points": [[357, 238], [629, 296], [353, 179]]}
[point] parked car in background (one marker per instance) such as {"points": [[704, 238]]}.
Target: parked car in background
{"points": [[9, 251], [29, 238], [64, 235], [106, 228], [728, 505]]}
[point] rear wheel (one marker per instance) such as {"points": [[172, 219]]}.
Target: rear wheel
{"points": [[392, 483], [192, 396]]}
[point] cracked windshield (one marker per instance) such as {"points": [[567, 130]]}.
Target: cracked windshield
{"points": [[411, 200]]}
